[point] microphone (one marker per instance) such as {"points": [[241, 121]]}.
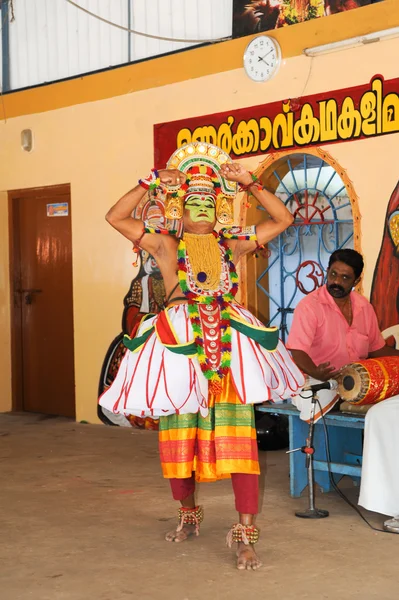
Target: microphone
{"points": [[331, 384]]}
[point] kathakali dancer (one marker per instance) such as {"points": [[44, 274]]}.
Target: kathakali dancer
{"points": [[201, 363]]}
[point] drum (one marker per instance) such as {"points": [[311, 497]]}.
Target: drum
{"points": [[370, 381]]}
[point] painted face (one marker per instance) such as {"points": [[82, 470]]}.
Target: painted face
{"points": [[201, 209], [340, 280]]}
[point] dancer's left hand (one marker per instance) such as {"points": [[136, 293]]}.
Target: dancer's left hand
{"points": [[236, 172]]}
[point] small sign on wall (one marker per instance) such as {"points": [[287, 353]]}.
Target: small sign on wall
{"points": [[59, 209]]}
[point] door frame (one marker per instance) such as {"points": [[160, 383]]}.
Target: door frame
{"points": [[50, 192]]}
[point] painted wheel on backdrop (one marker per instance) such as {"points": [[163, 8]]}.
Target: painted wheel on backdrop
{"points": [[109, 370]]}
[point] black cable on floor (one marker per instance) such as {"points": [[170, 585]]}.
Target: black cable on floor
{"points": [[332, 481]]}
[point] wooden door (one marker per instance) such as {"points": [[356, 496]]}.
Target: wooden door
{"points": [[41, 262]]}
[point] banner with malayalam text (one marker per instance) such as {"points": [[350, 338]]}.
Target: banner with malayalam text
{"points": [[342, 115]]}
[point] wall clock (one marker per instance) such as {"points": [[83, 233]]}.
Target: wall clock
{"points": [[262, 58]]}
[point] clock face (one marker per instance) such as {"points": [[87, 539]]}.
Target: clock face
{"points": [[262, 58]]}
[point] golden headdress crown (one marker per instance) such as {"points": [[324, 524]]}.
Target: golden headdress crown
{"points": [[201, 163], [200, 181]]}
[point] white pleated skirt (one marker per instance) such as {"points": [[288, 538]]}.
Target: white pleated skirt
{"points": [[154, 381]]}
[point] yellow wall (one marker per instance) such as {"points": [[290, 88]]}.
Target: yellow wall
{"points": [[102, 147]]}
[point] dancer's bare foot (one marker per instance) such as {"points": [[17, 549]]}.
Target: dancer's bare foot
{"points": [[247, 558], [180, 536]]}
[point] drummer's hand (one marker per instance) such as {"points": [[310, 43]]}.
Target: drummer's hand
{"points": [[325, 371]]}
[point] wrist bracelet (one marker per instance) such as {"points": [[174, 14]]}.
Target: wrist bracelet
{"points": [[151, 182], [255, 181], [137, 247]]}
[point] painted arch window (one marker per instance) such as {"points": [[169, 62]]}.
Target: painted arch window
{"points": [[319, 195]]}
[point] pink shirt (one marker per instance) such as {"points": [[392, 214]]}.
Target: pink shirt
{"points": [[320, 329]]}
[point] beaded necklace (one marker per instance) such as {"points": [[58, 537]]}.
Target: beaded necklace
{"points": [[209, 315], [208, 308]]}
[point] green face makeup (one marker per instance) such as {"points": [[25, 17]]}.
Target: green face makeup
{"points": [[201, 210]]}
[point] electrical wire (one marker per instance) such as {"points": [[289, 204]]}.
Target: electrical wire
{"points": [[307, 78], [148, 35], [333, 483]]}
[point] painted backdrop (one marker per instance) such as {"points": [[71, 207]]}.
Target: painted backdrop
{"points": [[254, 16], [385, 286]]}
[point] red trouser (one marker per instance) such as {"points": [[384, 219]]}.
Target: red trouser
{"points": [[245, 487]]}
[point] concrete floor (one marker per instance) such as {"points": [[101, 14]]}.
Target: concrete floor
{"points": [[84, 510]]}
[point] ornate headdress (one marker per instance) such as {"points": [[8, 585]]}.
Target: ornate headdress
{"points": [[201, 163]]}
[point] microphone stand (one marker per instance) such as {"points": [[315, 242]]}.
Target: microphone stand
{"points": [[311, 512]]}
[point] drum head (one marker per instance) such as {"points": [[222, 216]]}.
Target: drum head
{"points": [[350, 386]]}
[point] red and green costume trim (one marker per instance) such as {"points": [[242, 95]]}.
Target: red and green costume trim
{"points": [[161, 230], [209, 313], [239, 233], [265, 337], [152, 182]]}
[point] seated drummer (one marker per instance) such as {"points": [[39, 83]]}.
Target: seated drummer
{"points": [[334, 326]]}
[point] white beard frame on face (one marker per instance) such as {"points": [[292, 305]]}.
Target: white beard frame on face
{"points": [[201, 207]]}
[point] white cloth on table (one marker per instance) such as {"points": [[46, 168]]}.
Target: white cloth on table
{"points": [[379, 488], [303, 401]]}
